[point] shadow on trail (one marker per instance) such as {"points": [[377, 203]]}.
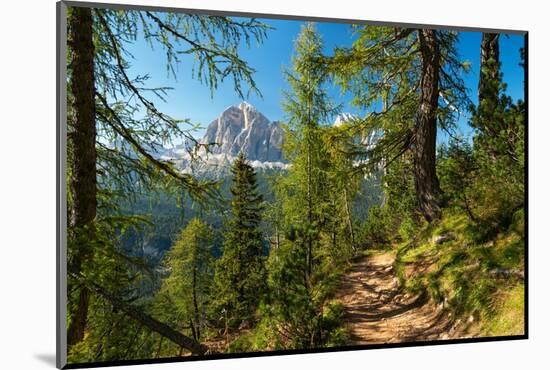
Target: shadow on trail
{"points": [[378, 311]]}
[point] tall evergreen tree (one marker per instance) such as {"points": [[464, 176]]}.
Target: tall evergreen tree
{"points": [[414, 75], [308, 107], [240, 272], [83, 166], [499, 141], [497, 119], [486, 179], [299, 268], [110, 145], [489, 64]]}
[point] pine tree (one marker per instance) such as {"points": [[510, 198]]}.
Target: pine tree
{"points": [[498, 142], [486, 179], [497, 120], [240, 272]]}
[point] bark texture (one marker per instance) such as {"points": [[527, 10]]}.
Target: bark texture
{"points": [[83, 136], [426, 182]]}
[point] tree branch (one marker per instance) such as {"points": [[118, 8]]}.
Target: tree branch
{"points": [[116, 124], [164, 330]]}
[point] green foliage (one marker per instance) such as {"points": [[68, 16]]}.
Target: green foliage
{"points": [[186, 292], [377, 228], [113, 269], [315, 197], [381, 71], [129, 129], [407, 229], [464, 274], [240, 272], [292, 303], [486, 180], [296, 303], [307, 215], [396, 219], [333, 324], [260, 338], [126, 139], [456, 168], [499, 152]]}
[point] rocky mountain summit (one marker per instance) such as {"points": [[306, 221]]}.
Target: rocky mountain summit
{"points": [[237, 128], [244, 128], [240, 128]]}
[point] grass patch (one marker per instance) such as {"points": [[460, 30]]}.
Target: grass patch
{"points": [[465, 272], [510, 313]]}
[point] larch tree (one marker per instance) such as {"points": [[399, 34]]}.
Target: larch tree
{"points": [[186, 291], [308, 108], [114, 128], [409, 81], [83, 142], [344, 185], [298, 268]]}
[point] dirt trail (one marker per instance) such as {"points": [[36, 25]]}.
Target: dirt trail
{"points": [[378, 312]]}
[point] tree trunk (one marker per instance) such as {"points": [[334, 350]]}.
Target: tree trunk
{"points": [[309, 256], [350, 221], [83, 135], [196, 306], [426, 182], [164, 330], [192, 326]]}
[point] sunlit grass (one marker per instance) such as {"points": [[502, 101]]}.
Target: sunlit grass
{"points": [[462, 273], [510, 313]]}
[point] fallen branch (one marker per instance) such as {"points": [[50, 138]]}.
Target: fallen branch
{"points": [[164, 330]]}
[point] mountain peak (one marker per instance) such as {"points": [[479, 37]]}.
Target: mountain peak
{"points": [[246, 106], [238, 129]]}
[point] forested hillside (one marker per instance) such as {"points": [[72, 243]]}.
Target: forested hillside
{"points": [[375, 230]]}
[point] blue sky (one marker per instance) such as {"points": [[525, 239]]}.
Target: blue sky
{"points": [[190, 99]]}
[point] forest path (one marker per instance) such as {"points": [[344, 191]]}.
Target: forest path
{"points": [[377, 311]]}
